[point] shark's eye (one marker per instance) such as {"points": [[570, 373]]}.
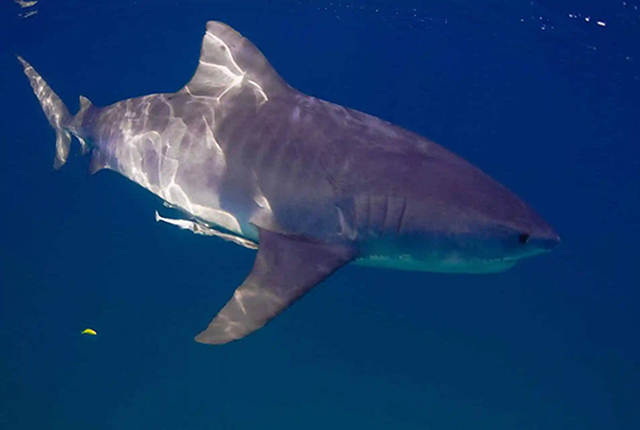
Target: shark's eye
{"points": [[523, 238]]}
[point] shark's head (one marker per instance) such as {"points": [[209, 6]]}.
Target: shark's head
{"points": [[477, 242], [452, 217], [483, 227], [494, 244], [464, 234]]}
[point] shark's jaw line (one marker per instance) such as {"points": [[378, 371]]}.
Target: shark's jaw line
{"points": [[451, 265]]}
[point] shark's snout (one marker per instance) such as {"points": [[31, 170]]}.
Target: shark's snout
{"points": [[536, 235], [544, 239]]}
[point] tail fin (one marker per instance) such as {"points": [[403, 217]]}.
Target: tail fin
{"points": [[55, 110]]}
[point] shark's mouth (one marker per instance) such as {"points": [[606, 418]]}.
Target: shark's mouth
{"points": [[444, 265]]}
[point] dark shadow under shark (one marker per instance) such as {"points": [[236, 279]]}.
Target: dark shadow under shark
{"points": [[310, 184]]}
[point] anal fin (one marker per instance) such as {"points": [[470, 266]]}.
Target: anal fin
{"points": [[286, 267]]}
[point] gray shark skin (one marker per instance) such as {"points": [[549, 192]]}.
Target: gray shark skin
{"points": [[310, 184]]}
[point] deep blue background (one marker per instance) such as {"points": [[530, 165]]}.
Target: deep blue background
{"points": [[547, 103]]}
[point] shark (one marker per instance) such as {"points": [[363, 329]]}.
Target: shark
{"points": [[311, 185]]}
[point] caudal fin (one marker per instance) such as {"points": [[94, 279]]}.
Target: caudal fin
{"points": [[55, 110]]}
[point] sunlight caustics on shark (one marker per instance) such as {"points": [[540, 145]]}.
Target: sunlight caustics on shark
{"points": [[311, 185]]}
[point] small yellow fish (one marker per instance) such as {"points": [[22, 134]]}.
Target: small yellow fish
{"points": [[89, 331]]}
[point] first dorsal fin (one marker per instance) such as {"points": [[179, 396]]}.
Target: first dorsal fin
{"points": [[229, 61]]}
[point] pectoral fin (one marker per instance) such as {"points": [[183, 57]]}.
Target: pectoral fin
{"points": [[286, 267]]}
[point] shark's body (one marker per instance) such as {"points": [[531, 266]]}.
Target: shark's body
{"points": [[311, 184]]}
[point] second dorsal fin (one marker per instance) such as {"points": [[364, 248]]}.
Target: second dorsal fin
{"points": [[227, 61]]}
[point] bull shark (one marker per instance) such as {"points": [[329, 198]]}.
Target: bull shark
{"points": [[311, 185]]}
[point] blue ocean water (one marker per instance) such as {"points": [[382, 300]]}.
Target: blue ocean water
{"points": [[542, 95]]}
